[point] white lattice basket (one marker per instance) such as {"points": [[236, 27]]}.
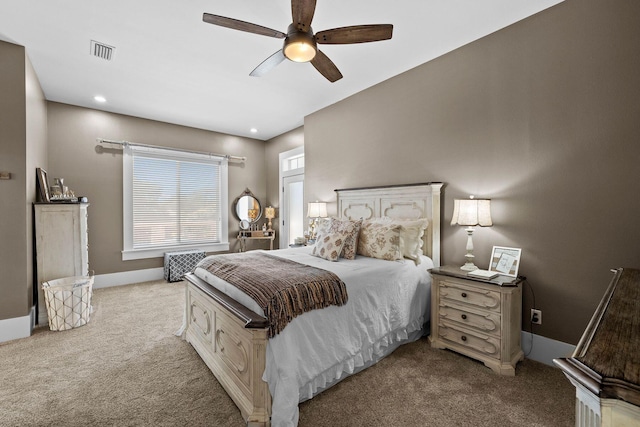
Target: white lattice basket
{"points": [[68, 301]]}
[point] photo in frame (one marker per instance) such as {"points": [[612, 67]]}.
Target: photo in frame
{"points": [[505, 260], [42, 186]]}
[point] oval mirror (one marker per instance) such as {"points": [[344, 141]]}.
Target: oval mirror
{"points": [[248, 207]]}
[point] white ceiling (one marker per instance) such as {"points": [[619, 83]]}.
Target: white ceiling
{"points": [[171, 66]]}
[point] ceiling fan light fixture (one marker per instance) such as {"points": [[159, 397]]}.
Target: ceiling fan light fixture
{"points": [[300, 51], [299, 46], [300, 43]]}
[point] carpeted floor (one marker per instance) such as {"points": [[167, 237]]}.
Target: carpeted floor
{"points": [[126, 368]]}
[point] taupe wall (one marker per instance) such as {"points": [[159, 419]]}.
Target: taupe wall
{"points": [[542, 117], [73, 155], [22, 149], [36, 156], [275, 146]]}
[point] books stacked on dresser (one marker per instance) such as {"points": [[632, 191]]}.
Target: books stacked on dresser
{"points": [[483, 274]]}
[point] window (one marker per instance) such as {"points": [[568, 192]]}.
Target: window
{"points": [[293, 163], [173, 200]]}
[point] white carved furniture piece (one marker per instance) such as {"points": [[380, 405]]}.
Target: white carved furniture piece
{"points": [[62, 245], [481, 319], [232, 340]]}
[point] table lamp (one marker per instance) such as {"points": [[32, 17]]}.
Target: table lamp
{"points": [[471, 212], [315, 210], [269, 213]]}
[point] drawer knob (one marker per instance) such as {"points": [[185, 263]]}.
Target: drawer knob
{"points": [[464, 295], [463, 338], [464, 317]]}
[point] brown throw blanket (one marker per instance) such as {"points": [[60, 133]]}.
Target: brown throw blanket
{"points": [[283, 289]]}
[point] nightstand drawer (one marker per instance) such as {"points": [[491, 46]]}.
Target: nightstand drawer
{"points": [[474, 296], [487, 322], [474, 341]]}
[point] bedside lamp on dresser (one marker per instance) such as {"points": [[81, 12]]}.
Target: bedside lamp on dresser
{"points": [[316, 210], [471, 212]]}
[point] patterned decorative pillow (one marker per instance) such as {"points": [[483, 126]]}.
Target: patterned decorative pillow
{"points": [[411, 235], [378, 240], [329, 246], [352, 229], [322, 226]]}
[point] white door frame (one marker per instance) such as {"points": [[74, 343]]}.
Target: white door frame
{"points": [[283, 157]]}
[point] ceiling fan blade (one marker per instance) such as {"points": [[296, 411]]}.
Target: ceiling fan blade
{"points": [[236, 24], [268, 64], [355, 34], [326, 67], [302, 12]]}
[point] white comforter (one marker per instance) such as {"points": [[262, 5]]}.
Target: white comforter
{"points": [[388, 304]]}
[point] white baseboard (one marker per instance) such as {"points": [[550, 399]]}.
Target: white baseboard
{"points": [[127, 277], [543, 349], [17, 327]]}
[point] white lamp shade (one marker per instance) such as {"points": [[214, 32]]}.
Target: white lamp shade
{"points": [[317, 210], [471, 212]]}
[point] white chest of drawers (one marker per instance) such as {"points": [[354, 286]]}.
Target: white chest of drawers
{"points": [[62, 245], [478, 318]]}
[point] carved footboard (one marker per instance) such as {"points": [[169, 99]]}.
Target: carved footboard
{"points": [[231, 340]]}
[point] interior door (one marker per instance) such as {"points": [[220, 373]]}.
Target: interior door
{"points": [[292, 209]]}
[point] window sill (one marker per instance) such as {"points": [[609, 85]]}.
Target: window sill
{"points": [[132, 254]]}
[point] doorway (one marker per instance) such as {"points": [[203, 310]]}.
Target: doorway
{"points": [[291, 196]]}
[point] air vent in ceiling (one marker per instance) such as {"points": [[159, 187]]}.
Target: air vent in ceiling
{"points": [[102, 50]]}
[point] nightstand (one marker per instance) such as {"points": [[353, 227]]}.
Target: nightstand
{"points": [[481, 319]]}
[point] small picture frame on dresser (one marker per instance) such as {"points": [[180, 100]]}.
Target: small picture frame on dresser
{"points": [[505, 260], [42, 186]]}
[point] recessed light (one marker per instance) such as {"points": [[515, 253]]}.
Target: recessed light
{"points": [[254, 130], [99, 98]]}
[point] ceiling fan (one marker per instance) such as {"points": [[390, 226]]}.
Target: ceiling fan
{"points": [[300, 43]]}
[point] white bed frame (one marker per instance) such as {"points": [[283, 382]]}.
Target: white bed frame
{"points": [[232, 339]]}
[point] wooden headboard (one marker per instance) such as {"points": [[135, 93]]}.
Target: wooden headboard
{"points": [[398, 201]]}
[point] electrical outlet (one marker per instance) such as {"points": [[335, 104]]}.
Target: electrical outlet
{"points": [[536, 316]]}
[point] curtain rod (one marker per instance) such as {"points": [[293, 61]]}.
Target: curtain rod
{"points": [[135, 144]]}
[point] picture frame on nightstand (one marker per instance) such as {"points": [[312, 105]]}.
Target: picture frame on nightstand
{"points": [[505, 260]]}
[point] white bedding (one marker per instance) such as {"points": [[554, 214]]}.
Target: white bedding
{"points": [[388, 305]]}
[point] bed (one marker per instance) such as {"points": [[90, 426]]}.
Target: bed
{"points": [[268, 377]]}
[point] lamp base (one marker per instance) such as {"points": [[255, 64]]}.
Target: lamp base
{"points": [[469, 267]]}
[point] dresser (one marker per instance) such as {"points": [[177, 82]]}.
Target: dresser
{"points": [[253, 236], [605, 366], [481, 319], [62, 245]]}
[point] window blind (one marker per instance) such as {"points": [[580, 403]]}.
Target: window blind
{"points": [[176, 199]]}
